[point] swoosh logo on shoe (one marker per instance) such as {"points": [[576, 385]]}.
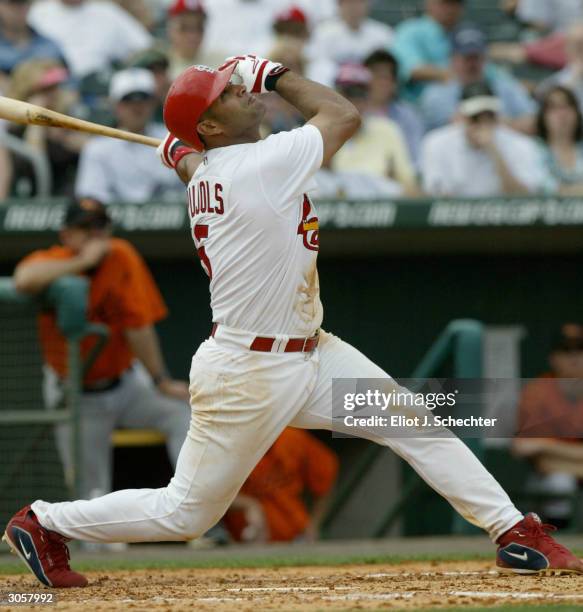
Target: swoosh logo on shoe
{"points": [[26, 553], [522, 557]]}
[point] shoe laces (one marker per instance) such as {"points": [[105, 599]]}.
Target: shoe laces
{"points": [[58, 551], [541, 531]]}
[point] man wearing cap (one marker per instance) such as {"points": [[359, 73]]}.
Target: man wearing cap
{"points": [[128, 385], [439, 101], [478, 156], [113, 170], [378, 148], [550, 424]]}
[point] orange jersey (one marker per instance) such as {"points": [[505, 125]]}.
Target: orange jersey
{"points": [[122, 295], [546, 412], [297, 462]]}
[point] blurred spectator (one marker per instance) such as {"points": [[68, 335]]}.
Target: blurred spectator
{"points": [[112, 170], [479, 157], [92, 34], [156, 61], [271, 504], [384, 100], [354, 186], [549, 15], [291, 23], [550, 423], [141, 10], [18, 41], [5, 167], [279, 115], [186, 30], [241, 26], [423, 44], [560, 127], [348, 38], [378, 148], [41, 82], [440, 101], [572, 74]]}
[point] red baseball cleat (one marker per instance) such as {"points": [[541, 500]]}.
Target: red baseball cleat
{"points": [[44, 552], [527, 548]]}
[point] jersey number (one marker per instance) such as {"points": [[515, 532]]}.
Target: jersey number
{"points": [[200, 233]]}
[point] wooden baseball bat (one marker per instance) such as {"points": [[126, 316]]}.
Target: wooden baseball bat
{"points": [[25, 113]]}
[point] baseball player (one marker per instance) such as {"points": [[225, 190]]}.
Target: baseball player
{"points": [[267, 363]]}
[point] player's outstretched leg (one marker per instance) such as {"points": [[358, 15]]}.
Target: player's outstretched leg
{"points": [[444, 462], [44, 552], [236, 417]]}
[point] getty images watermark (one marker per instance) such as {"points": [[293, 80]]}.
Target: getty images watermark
{"points": [[469, 408]]}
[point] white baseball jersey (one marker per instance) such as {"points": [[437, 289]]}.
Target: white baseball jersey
{"points": [[256, 232]]}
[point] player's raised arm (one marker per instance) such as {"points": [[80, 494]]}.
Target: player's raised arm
{"points": [[335, 117]]}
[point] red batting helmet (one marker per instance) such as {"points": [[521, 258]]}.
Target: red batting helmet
{"points": [[193, 91]]}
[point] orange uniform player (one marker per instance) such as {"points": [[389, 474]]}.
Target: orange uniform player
{"points": [[127, 386], [296, 463]]}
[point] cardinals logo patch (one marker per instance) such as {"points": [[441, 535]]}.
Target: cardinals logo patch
{"points": [[309, 226]]}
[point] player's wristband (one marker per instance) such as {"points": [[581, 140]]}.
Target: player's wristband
{"points": [[181, 151], [272, 78]]}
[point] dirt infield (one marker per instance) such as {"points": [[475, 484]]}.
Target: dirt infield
{"points": [[404, 586]]}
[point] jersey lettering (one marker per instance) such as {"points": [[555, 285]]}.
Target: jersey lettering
{"points": [[202, 199], [200, 233]]}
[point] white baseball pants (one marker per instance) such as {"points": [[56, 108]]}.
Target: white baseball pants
{"points": [[241, 401]]}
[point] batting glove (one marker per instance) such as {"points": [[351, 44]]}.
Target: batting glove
{"points": [[171, 151], [258, 74]]}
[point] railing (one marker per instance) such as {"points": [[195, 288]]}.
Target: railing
{"points": [[68, 297], [461, 339]]}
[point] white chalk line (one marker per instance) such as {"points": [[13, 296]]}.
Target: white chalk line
{"points": [[472, 594], [432, 574]]}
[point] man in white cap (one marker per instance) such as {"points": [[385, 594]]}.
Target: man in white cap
{"points": [[479, 157], [113, 170]]}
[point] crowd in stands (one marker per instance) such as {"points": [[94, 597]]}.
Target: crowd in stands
{"points": [[432, 83]]}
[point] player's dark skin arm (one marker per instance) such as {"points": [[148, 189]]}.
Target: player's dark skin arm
{"points": [[36, 276], [146, 347], [335, 117]]}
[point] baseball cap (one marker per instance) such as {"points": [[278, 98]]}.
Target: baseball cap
{"points": [[292, 13], [478, 98], [132, 84], [186, 6], [568, 339], [469, 40], [149, 59], [350, 75], [86, 213]]}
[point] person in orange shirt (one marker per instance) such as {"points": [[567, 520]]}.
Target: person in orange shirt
{"points": [[270, 505], [128, 385], [550, 424]]}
